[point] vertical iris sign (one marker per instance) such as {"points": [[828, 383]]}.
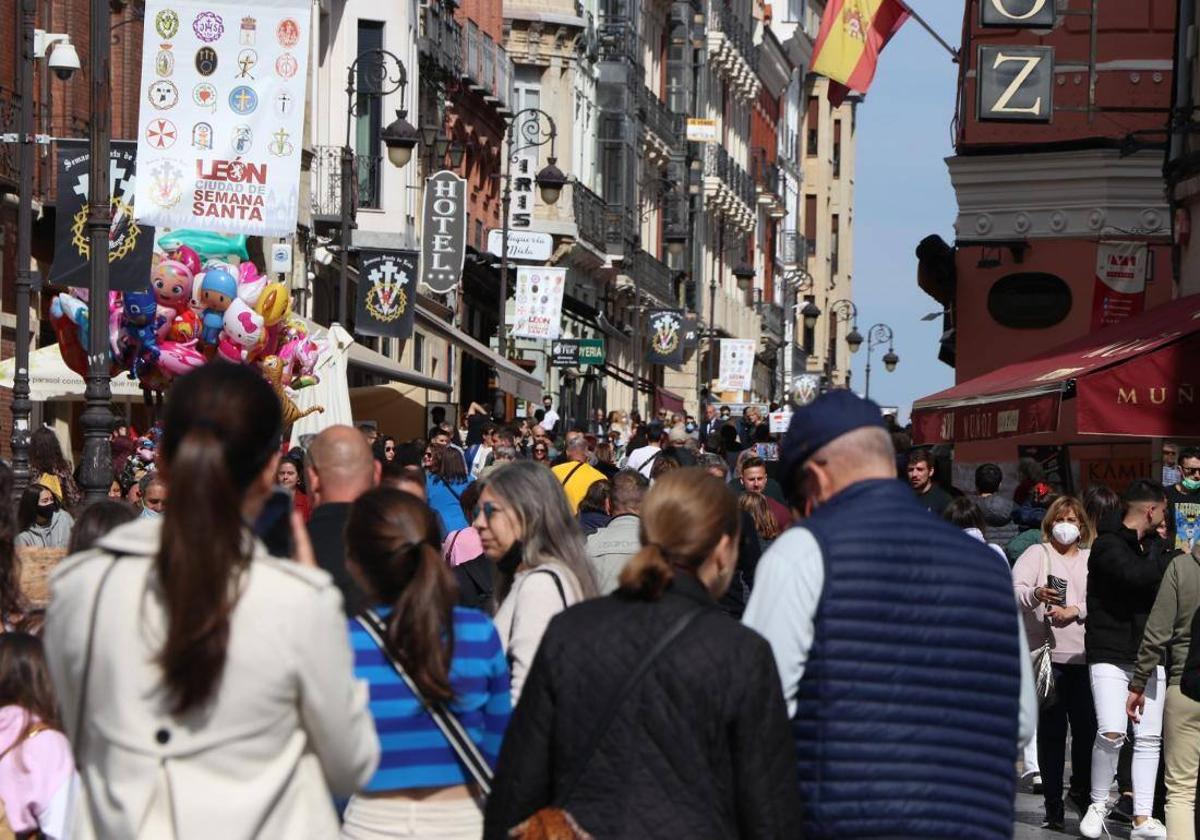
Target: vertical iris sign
{"points": [[443, 232]]}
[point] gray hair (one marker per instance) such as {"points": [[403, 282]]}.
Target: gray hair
{"points": [[505, 453], [713, 461], [548, 529]]}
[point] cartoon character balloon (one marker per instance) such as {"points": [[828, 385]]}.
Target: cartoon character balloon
{"points": [[244, 333], [220, 289]]}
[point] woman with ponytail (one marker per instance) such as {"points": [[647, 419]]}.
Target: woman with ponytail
{"points": [[529, 531], [451, 654], [206, 686], [650, 713]]}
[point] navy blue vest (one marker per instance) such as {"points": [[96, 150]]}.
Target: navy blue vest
{"points": [[906, 724]]}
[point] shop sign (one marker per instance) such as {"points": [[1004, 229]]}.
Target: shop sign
{"points": [[530, 245], [1016, 83], [591, 351], [443, 232], [564, 353], [702, 130], [1017, 14]]}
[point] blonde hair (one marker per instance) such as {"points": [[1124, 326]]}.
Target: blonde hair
{"points": [[1057, 508], [683, 518]]}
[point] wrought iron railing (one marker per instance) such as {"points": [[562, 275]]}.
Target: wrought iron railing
{"points": [[618, 40], [660, 119], [738, 34], [441, 43], [589, 212], [720, 163], [486, 65], [326, 198], [654, 277]]}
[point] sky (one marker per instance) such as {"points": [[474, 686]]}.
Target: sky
{"points": [[902, 194]]}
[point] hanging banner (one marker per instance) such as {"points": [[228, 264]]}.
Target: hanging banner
{"points": [[666, 337], [591, 351], [538, 312], [564, 353], [443, 232], [691, 333], [1120, 282], [220, 127], [130, 245], [387, 293], [737, 364]]}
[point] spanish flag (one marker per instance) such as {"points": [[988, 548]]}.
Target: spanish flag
{"points": [[853, 32]]}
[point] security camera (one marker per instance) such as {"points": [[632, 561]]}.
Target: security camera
{"points": [[64, 61]]}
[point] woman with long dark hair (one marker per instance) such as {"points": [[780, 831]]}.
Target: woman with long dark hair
{"points": [[36, 769], [527, 529], [451, 653], [49, 467], [446, 479], [208, 687], [41, 521], [695, 745]]}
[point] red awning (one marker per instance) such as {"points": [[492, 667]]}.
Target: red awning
{"points": [[668, 400], [1134, 378]]}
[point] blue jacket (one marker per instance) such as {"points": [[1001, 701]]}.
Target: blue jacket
{"points": [[907, 711], [444, 499]]}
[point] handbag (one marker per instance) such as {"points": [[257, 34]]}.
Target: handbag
{"points": [[466, 750], [556, 823], [1043, 667]]}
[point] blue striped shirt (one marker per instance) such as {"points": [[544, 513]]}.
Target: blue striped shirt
{"points": [[414, 751]]}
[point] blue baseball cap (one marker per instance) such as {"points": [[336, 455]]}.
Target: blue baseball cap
{"points": [[828, 417]]}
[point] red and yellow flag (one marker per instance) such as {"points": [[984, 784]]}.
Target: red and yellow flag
{"points": [[853, 32]]}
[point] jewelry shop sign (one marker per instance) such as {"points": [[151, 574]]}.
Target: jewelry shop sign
{"points": [[221, 116]]}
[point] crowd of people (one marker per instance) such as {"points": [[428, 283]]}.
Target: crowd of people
{"points": [[626, 628]]}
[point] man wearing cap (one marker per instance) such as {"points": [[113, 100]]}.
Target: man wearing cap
{"points": [[897, 642]]}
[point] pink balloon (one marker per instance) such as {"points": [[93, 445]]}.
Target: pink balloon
{"points": [[188, 257]]}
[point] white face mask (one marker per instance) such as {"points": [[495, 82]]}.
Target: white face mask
{"points": [[1065, 533]]}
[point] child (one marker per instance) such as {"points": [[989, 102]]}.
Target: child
{"points": [[36, 767]]}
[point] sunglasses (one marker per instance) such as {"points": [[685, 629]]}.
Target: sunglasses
{"points": [[487, 508], [540, 449], [1191, 470]]}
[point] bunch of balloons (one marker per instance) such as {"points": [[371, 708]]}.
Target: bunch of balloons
{"points": [[194, 312]]}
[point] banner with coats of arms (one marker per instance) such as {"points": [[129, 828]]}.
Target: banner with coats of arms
{"points": [[666, 337], [387, 293], [221, 116]]}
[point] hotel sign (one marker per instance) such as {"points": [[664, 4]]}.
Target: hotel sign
{"points": [[443, 232], [1017, 14], [1015, 83]]}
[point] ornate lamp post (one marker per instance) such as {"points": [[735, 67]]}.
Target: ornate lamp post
{"points": [[796, 283], [877, 336], [675, 244], [383, 73], [550, 182], [842, 310]]}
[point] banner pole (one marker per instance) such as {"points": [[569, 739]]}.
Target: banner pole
{"points": [[913, 14]]}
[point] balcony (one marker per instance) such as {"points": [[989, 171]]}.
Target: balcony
{"points": [[661, 121], [589, 210], [487, 67], [730, 172], [326, 195], [729, 189], [739, 35], [440, 43], [618, 41], [731, 51], [772, 320], [653, 276]]}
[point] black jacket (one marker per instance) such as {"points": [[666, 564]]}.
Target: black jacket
{"points": [[327, 530], [476, 583], [1123, 578], [699, 749]]}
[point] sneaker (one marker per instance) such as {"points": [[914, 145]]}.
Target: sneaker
{"points": [[1122, 812], [1151, 829], [1035, 784], [1092, 825]]}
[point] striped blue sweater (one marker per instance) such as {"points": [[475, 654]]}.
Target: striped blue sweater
{"points": [[414, 752]]}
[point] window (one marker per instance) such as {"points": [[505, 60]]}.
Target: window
{"points": [[834, 238], [812, 122], [837, 148], [369, 125], [810, 224], [418, 352], [479, 244], [810, 333]]}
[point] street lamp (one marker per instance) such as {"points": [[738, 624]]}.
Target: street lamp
{"points": [[550, 182], [811, 313], [383, 73], [877, 336], [842, 310], [795, 283], [64, 61], [652, 195]]}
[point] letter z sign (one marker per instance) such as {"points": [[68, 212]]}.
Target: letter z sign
{"points": [[1015, 83]]}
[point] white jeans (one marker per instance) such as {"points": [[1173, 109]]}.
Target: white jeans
{"points": [[387, 818], [1110, 689]]}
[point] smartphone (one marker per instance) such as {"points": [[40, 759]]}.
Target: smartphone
{"points": [[1059, 585], [274, 523]]}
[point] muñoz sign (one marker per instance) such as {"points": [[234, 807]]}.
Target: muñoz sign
{"points": [[443, 232]]}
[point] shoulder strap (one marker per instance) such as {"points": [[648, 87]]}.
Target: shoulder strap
{"points": [[457, 496], [466, 750], [562, 593], [574, 469], [622, 694]]}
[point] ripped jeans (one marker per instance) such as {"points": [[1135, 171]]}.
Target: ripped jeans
{"points": [[1110, 688]]}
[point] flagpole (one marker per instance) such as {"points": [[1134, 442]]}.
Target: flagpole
{"points": [[913, 14]]}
